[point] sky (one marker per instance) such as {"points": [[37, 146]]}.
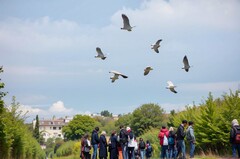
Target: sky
{"points": [[47, 51]]}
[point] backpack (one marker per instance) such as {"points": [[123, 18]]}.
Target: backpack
{"points": [[237, 134], [142, 145], [149, 148], [165, 140], [171, 140], [122, 136]]}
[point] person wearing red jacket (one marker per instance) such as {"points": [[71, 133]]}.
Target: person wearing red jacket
{"points": [[163, 138]]}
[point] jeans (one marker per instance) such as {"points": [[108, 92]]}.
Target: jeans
{"points": [[235, 148], [172, 152], [124, 150], [181, 148], [164, 151], [130, 152], [142, 153], [95, 147], [192, 148]]}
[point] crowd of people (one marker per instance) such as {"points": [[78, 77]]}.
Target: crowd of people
{"points": [[124, 145]]}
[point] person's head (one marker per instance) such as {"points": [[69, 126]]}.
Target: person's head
{"points": [[128, 128], [121, 126], [113, 132], [141, 139], [147, 142], [190, 123], [184, 122], [171, 129], [86, 136], [97, 129], [163, 127], [103, 133], [235, 122]]}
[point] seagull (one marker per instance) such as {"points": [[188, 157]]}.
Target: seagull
{"points": [[171, 86], [147, 70], [186, 64], [126, 24], [100, 54], [116, 74], [156, 46]]}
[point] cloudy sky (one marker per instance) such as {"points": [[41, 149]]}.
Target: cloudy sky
{"points": [[47, 49]]}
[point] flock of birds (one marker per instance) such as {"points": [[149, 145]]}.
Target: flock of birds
{"points": [[155, 47]]}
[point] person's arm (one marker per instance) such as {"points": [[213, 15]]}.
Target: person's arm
{"points": [[182, 132], [192, 134]]}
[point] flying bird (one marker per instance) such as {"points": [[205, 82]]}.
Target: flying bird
{"points": [[171, 86], [186, 64], [156, 46], [147, 70], [100, 54], [126, 24], [116, 75]]}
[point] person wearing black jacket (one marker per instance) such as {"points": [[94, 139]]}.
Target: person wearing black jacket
{"points": [[180, 139], [235, 144], [95, 142], [123, 135]]}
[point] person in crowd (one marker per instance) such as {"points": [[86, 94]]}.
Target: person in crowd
{"points": [[103, 146], [141, 147], [180, 139], [95, 142], [123, 137], [113, 147], [136, 150], [235, 138], [172, 150], [163, 138], [149, 150], [85, 147], [131, 143], [191, 138]]}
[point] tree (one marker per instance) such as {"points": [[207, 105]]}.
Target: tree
{"points": [[80, 125], [106, 113], [124, 120], [36, 133], [146, 117]]}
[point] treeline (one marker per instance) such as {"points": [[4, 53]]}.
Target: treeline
{"points": [[212, 122], [16, 141]]}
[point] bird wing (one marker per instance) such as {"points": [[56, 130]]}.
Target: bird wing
{"points": [[99, 51], [185, 62], [147, 70], [124, 76], [158, 42], [155, 49], [126, 23], [115, 72], [170, 84], [173, 90]]}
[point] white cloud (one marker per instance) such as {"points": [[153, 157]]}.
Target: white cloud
{"points": [[171, 106], [59, 107], [218, 14]]}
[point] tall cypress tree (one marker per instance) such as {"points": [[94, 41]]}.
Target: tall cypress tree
{"points": [[36, 133]]}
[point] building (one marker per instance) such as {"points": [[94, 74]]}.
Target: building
{"points": [[52, 128]]}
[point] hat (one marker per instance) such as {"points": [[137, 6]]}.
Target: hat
{"points": [[103, 133], [234, 122], [128, 128]]}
